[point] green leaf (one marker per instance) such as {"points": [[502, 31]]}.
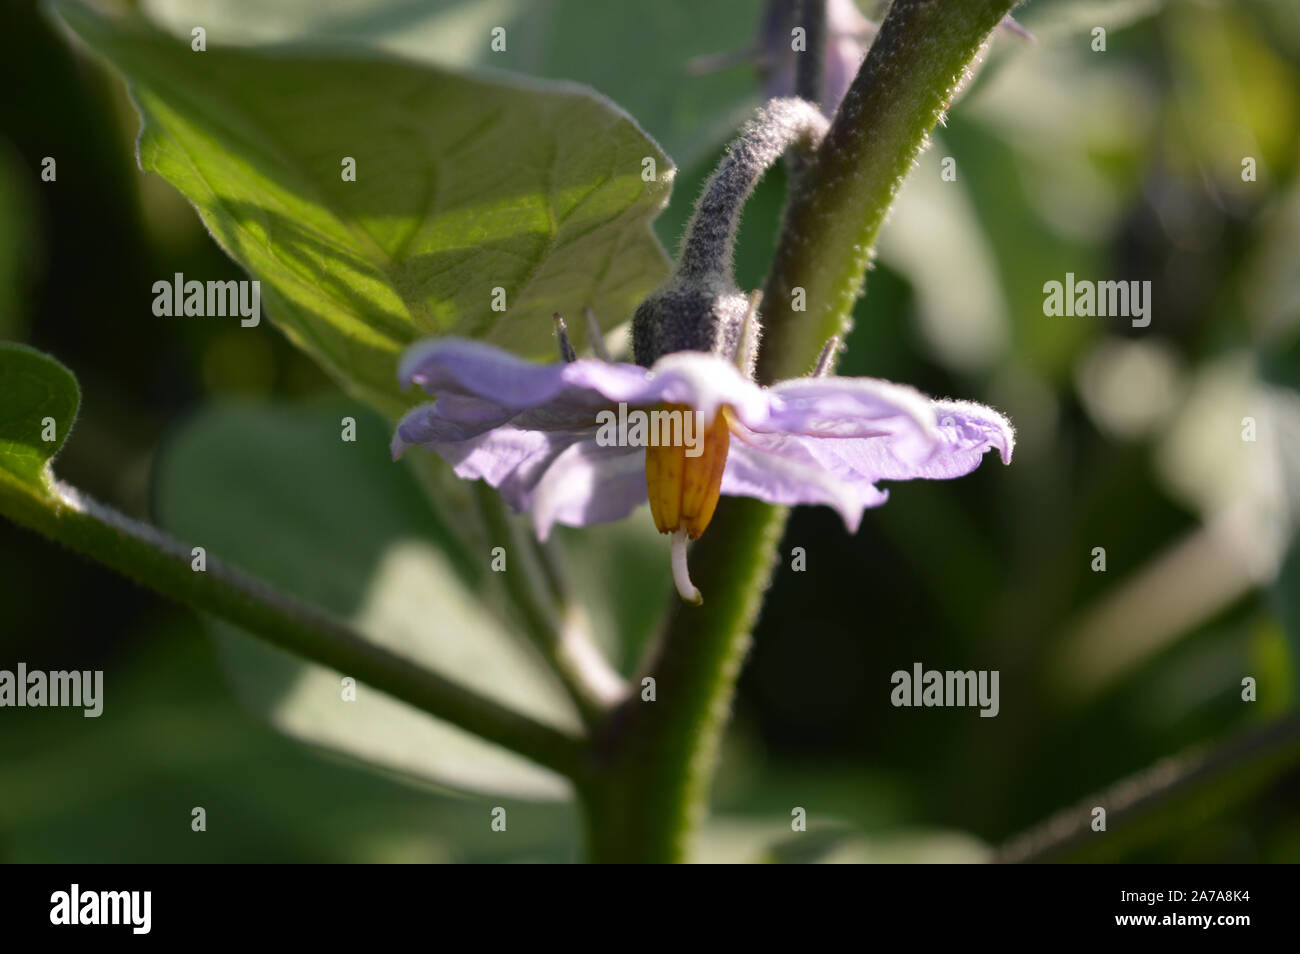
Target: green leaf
{"points": [[688, 109], [463, 185], [336, 523], [40, 401]]}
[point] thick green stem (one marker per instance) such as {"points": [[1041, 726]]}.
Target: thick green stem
{"points": [[166, 565], [648, 788], [903, 87], [654, 762]]}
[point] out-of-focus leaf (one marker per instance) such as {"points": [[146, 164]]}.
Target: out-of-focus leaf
{"points": [[40, 401], [1286, 591], [1176, 795], [1236, 98], [933, 238], [1066, 20], [336, 523], [622, 576], [470, 194], [896, 848], [1284, 369], [653, 77], [1233, 448], [120, 788], [1270, 286], [737, 841]]}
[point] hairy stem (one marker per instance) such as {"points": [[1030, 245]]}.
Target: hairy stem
{"points": [[711, 233], [164, 564], [655, 759], [916, 62]]}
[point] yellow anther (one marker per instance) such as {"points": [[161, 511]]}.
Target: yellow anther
{"points": [[684, 489]]}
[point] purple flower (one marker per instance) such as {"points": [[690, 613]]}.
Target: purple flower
{"points": [[546, 436]]}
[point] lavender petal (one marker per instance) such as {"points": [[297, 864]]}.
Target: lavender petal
{"points": [[589, 484]]}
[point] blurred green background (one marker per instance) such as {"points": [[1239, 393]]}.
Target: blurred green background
{"points": [[1122, 164]]}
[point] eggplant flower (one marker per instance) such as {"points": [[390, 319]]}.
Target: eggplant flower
{"points": [[586, 440], [554, 440]]}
